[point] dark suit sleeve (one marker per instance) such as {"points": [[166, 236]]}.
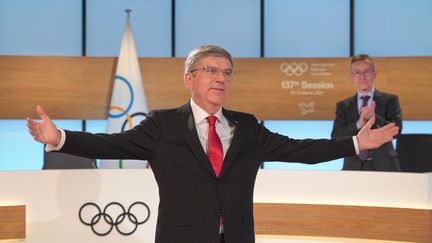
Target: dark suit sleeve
{"points": [[342, 126], [141, 142], [276, 147], [392, 113]]}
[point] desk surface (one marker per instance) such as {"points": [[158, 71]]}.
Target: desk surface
{"points": [[53, 198]]}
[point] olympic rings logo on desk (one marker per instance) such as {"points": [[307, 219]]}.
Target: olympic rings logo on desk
{"points": [[114, 215]]}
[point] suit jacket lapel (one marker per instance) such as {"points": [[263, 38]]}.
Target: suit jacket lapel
{"points": [[353, 108], [185, 121], [235, 142], [379, 108]]}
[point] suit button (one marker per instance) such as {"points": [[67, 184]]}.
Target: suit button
{"points": [[220, 184]]}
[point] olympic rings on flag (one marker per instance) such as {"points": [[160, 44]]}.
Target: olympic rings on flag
{"points": [[129, 120], [130, 102]]}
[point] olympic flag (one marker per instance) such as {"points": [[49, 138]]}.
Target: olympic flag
{"points": [[128, 102]]}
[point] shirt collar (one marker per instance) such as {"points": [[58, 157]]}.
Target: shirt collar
{"points": [[200, 114], [370, 93]]}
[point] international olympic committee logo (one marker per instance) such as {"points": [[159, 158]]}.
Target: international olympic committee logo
{"points": [[113, 215], [297, 69]]}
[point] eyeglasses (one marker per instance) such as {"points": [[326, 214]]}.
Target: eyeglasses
{"points": [[213, 72], [367, 73]]}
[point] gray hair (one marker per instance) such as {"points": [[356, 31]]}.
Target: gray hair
{"points": [[204, 51]]}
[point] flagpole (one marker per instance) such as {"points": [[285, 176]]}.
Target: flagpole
{"points": [[128, 11]]}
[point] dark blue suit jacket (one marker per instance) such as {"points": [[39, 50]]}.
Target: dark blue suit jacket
{"points": [[191, 196], [387, 110]]}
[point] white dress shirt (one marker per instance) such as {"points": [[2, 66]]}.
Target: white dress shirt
{"points": [[224, 131]]}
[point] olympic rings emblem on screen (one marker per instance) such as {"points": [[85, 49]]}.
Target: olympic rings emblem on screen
{"points": [[114, 215], [297, 69]]}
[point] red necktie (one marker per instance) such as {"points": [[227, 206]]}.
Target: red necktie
{"points": [[215, 151], [365, 154]]}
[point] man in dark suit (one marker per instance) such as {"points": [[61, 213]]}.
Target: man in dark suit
{"points": [[205, 158], [353, 113]]}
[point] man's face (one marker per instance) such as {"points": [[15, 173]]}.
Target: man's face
{"points": [[363, 75], [210, 82]]}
